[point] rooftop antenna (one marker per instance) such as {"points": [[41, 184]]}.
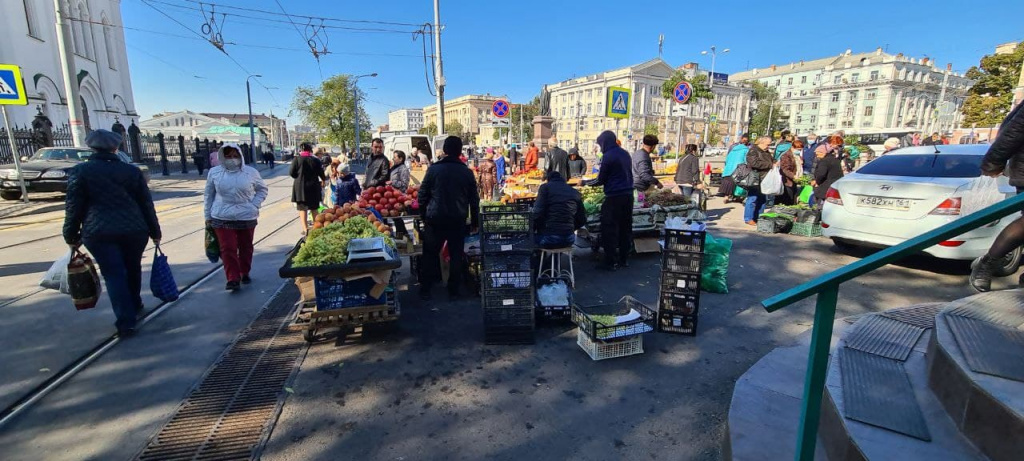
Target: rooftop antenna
{"points": [[661, 43]]}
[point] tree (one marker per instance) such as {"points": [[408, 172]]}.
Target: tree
{"points": [[429, 130], [651, 128], [331, 109], [767, 105], [699, 83], [989, 99], [454, 128], [713, 135]]}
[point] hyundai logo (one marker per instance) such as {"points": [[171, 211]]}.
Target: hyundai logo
{"points": [[885, 187]]}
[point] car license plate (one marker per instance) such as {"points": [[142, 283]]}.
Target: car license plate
{"points": [[901, 204]]}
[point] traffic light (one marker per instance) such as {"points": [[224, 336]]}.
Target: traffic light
{"points": [[583, 125]]}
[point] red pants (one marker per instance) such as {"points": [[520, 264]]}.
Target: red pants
{"points": [[235, 251]]}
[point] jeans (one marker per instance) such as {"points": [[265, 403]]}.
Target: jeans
{"points": [[754, 205], [120, 261], [437, 233], [692, 193], [236, 251], [617, 228], [552, 241]]}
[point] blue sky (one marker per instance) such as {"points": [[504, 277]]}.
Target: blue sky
{"points": [[514, 47]]}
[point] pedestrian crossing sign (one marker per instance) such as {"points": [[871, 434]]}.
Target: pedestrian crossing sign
{"points": [[12, 88], [618, 102]]}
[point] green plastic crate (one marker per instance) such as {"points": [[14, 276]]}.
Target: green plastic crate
{"points": [[806, 229]]}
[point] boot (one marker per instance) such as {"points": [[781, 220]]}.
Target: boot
{"points": [[981, 274]]}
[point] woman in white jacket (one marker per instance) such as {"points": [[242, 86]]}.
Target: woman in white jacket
{"points": [[234, 194]]}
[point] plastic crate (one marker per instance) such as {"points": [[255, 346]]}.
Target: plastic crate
{"points": [[643, 217], [499, 242], [509, 336], [505, 208], [528, 202], [806, 229], [773, 224], [681, 261], [808, 216], [507, 299], [684, 240], [490, 280], [518, 317], [506, 262], [680, 303], [515, 221], [599, 350], [559, 312], [334, 293], [680, 324], [598, 331], [678, 282]]}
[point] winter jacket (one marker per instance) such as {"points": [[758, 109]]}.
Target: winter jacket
{"points": [[448, 192], [759, 160], [787, 167], [643, 170], [616, 173], [809, 158], [1008, 147], [688, 170], [558, 161], [530, 163], [399, 176], [377, 171], [233, 195], [559, 208], [346, 189], [309, 174], [577, 167], [107, 198], [782, 148], [499, 165], [736, 156], [488, 178], [828, 170]]}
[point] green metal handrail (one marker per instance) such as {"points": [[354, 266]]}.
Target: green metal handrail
{"points": [[827, 289]]}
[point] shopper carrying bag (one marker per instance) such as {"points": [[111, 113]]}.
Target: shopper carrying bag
{"points": [[83, 281], [161, 280]]}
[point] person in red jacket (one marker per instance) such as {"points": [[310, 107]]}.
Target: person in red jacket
{"points": [[531, 157]]}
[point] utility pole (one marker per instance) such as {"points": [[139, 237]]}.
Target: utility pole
{"points": [[71, 89], [252, 130], [438, 67], [942, 96], [355, 99], [576, 138]]}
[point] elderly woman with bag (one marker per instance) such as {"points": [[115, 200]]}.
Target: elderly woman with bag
{"points": [[109, 209], [234, 194]]}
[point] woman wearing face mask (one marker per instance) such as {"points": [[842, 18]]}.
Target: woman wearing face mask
{"points": [[234, 194]]}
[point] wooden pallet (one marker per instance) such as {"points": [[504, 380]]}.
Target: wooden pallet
{"points": [[308, 318]]}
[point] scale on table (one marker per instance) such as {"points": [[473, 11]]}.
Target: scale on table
{"points": [[368, 250]]}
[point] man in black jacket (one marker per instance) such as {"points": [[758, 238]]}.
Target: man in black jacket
{"points": [[577, 165], [1008, 148], [643, 168], [379, 169], [557, 213], [557, 160], [447, 196]]}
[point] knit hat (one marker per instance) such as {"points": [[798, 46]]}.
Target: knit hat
{"points": [[103, 140], [452, 146]]}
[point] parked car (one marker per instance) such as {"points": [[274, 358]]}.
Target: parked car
{"points": [[908, 192], [47, 170]]}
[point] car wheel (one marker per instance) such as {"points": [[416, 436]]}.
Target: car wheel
{"points": [[843, 245], [10, 194], [1008, 266]]}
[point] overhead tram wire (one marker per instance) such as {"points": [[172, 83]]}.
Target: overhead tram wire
{"points": [[254, 10], [258, 18]]}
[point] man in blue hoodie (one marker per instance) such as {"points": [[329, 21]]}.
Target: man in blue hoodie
{"points": [[616, 176]]}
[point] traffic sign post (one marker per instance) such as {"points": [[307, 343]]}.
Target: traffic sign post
{"points": [[500, 108], [12, 92], [682, 92], [618, 102]]}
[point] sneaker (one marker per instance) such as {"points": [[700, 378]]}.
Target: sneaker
{"points": [[124, 333], [232, 286], [246, 280], [981, 274]]}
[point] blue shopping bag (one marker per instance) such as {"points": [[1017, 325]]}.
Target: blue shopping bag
{"points": [[161, 280]]}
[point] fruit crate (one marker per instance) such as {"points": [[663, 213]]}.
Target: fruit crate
{"points": [[490, 280], [555, 312], [517, 317], [808, 216], [806, 229], [507, 299], [506, 262], [681, 324], [678, 282], [336, 293], [498, 242], [643, 217], [506, 221], [679, 303], [509, 336], [682, 262], [600, 350], [599, 331], [684, 240]]}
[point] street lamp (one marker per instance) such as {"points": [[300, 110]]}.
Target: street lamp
{"points": [[355, 97], [714, 54], [252, 131]]}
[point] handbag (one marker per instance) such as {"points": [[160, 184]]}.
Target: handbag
{"points": [[83, 281], [161, 280], [212, 245], [746, 177], [772, 183]]}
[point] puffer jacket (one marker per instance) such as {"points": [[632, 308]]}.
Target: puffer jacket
{"points": [[1008, 147], [377, 171], [448, 192], [643, 170], [559, 208], [557, 161], [107, 198], [233, 195], [347, 189], [577, 166], [399, 176]]}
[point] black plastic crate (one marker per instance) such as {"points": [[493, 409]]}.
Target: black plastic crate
{"points": [[507, 299], [517, 317], [585, 318], [679, 303], [498, 242], [558, 312], [682, 261], [676, 282], [509, 336], [684, 240], [680, 324], [506, 221], [490, 280], [506, 262]]}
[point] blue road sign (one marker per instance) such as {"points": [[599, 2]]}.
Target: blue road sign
{"points": [[500, 108], [12, 90], [618, 102], [682, 92]]}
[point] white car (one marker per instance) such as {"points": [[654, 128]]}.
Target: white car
{"points": [[908, 192]]}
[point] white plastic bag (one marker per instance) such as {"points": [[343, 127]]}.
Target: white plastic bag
{"points": [[771, 184], [56, 278], [984, 192]]}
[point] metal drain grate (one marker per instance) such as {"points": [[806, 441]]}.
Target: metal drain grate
{"points": [[226, 416]]}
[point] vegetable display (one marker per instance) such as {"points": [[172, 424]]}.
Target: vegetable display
{"points": [[593, 197], [328, 245], [665, 198], [389, 201]]}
